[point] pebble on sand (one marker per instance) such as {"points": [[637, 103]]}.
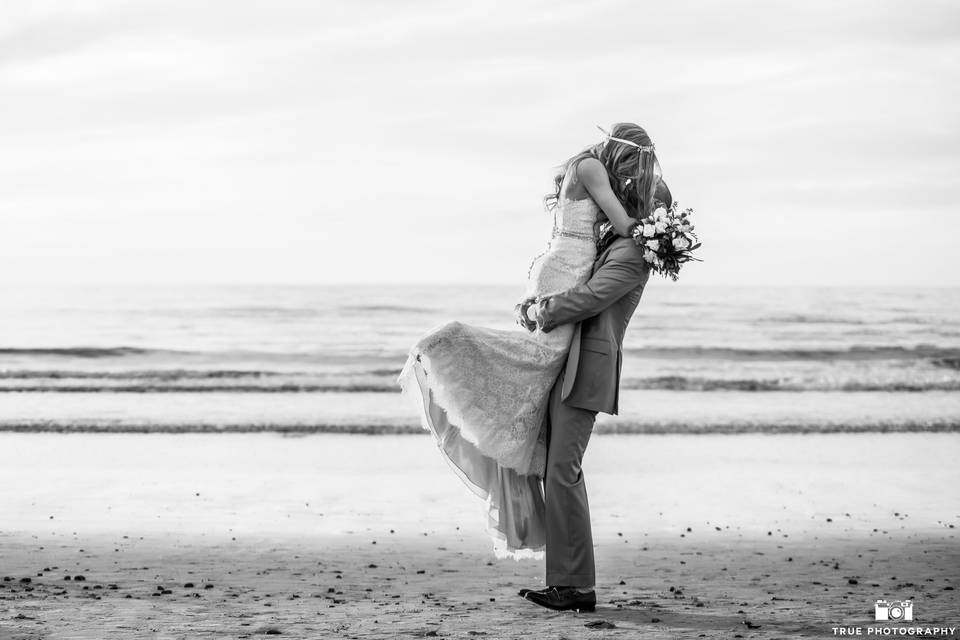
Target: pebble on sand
{"points": [[268, 631], [600, 624]]}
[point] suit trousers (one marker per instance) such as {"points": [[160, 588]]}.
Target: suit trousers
{"points": [[569, 544]]}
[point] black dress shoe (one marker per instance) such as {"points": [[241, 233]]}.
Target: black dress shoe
{"points": [[563, 599], [523, 592]]}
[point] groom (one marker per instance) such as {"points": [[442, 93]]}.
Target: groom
{"points": [[589, 383]]}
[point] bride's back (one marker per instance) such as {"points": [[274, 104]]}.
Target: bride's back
{"points": [[576, 213], [569, 258]]}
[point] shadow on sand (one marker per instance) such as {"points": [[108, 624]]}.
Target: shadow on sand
{"points": [[688, 624]]}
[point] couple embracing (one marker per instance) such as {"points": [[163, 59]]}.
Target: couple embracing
{"points": [[513, 410]]}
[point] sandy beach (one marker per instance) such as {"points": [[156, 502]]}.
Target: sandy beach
{"points": [[241, 535]]}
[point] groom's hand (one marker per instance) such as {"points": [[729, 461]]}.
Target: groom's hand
{"points": [[521, 313]]}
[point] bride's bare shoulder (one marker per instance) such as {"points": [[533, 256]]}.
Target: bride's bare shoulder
{"points": [[590, 170], [592, 174], [583, 171], [590, 165]]}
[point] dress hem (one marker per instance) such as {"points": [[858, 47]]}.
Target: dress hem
{"points": [[414, 382]]}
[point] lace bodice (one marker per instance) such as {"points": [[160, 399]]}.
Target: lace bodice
{"points": [[575, 218]]}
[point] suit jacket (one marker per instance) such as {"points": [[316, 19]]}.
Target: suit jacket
{"points": [[602, 307]]}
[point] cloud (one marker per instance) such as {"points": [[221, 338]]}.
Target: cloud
{"points": [[218, 130]]}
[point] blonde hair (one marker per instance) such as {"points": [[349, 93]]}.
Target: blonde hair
{"points": [[631, 169]]}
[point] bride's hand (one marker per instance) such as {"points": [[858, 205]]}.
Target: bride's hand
{"points": [[597, 183]]}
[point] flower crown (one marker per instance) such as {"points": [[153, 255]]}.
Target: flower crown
{"points": [[648, 148], [606, 137]]}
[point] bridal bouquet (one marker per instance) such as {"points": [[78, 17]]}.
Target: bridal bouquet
{"points": [[668, 239]]}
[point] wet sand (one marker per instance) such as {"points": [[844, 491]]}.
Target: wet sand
{"points": [[202, 535]]}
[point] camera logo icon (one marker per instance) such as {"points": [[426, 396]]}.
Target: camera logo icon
{"points": [[895, 610]]}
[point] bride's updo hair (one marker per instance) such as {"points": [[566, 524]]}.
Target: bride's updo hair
{"points": [[632, 171]]}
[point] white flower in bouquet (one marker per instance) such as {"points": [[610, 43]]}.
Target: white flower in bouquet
{"points": [[667, 240]]}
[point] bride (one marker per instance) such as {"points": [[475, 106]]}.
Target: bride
{"points": [[482, 392]]}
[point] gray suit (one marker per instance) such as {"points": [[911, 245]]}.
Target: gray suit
{"points": [[589, 384]]}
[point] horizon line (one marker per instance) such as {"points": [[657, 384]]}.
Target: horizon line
{"points": [[794, 285]]}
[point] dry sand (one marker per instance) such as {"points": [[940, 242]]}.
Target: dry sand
{"points": [[373, 537]]}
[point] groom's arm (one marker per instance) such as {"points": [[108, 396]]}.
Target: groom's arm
{"points": [[623, 271]]}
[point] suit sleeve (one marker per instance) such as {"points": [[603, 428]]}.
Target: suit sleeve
{"points": [[623, 271]]}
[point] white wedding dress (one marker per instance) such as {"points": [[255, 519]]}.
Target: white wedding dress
{"points": [[483, 393]]}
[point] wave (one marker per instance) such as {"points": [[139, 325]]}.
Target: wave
{"points": [[195, 381], [941, 356], [932, 425], [257, 312], [394, 373], [336, 354], [683, 383], [82, 352], [383, 308], [947, 363], [151, 374], [801, 318], [237, 388], [384, 381], [920, 352]]}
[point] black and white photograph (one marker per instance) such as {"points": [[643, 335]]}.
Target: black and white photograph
{"points": [[497, 320]]}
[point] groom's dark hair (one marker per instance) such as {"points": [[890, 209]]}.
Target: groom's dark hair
{"points": [[662, 195]]}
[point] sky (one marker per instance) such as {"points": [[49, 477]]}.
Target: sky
{"points": [[247, 141]]}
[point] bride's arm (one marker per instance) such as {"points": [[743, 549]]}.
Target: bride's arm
{"points": [[623, 271], [593, 175]]}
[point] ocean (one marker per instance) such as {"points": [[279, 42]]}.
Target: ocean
{"points": [[298, 359]]}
